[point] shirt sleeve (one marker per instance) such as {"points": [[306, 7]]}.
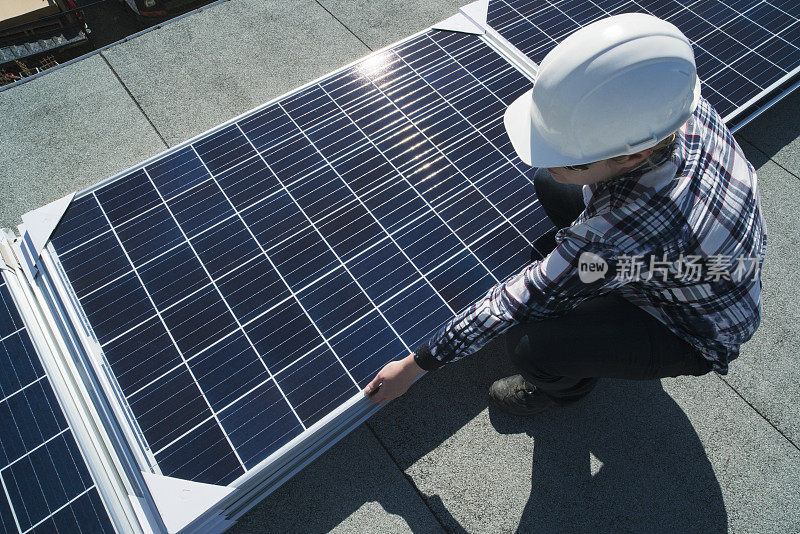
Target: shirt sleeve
{"points": [[578, 269]]}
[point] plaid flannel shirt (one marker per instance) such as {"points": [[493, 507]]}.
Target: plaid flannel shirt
{"points": [[684, 240]]}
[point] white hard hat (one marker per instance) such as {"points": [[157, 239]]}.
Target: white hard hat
{"points": [[614, 87]]}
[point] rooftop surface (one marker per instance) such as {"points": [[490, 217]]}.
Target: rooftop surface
{"points": [[708, 454]]}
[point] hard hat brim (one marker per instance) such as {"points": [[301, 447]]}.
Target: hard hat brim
{"points": [[534, 150], [529, 144]]}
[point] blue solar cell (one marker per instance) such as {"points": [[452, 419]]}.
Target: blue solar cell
{"points": [[110, 320], [488, 68], [366, 346], [416, 313], [156, 407], [743, 29], [695, 28], [18, 356], [36, 414], [225, 247], [84, 514], [170, 277], [381, 188], [334, 302], [25, 493], [200, 208], [343, 222], [382, 271], [781, 49], [248, 183], [428, 242], [315, 385], [197, 321], [788, 6], [10, 321], [204, 455], [296, 249], [82, 222], [228, 370], [503, 251], [753, 66], [268, 127], [252, 289], [177, 172], [143, 356], [148, 235], [7, 524], [224, 149], [86, 273], [460, 280], [283, 335], [289, 160], [56, 484], [128, 197], [771, 17], [260, 424]]}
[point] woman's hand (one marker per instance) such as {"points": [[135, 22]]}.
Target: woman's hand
{"points": [[393, 380]]}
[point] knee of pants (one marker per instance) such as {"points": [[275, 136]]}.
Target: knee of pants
{"points": [[520, 349]]}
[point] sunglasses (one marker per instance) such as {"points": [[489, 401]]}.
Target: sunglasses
{"points": [[581, 167]]}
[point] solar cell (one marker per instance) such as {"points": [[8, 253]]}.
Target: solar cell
{"points": [[261, 274], [45, 485], [745, 50]]}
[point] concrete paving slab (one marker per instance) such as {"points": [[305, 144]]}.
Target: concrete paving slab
{"points": [[382, 23], [354, 487], [777, 133], [66, 131], [202, 70], [766, 372], [685, 455]]}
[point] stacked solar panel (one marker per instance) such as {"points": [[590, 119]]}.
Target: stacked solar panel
{"points": [[255, 279], [46, 486], [742, 48]]}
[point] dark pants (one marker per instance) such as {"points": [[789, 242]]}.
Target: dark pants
{"points": [[604, 337]]}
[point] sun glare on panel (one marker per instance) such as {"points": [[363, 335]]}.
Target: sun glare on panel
{"points": [[373, 66]]}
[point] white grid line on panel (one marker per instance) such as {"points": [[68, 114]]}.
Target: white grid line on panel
{"points": [[403, 176], [512, 163], [313, 323], [54, 512], [10, 504], [36, 448], [457, 170], [249, 231], [391, 237], [169, 332]]}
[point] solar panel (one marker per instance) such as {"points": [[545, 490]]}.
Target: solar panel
{"points": [[246, 284], [45, 485], [746, 51]]}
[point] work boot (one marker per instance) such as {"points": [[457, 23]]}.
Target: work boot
{"points": [[517, 396]]}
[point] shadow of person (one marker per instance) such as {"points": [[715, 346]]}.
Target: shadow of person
{"points": [[774, 129], [626, 459]]}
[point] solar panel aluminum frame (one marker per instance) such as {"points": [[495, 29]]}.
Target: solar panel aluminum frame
{"points": [[125, 502]]}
